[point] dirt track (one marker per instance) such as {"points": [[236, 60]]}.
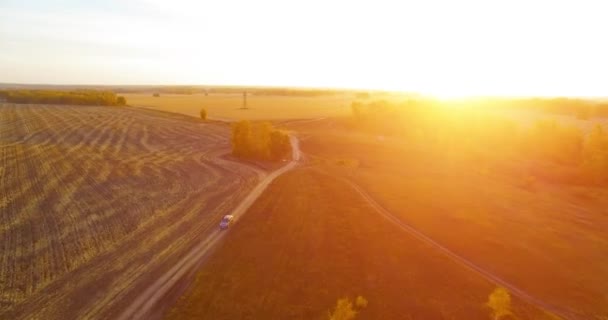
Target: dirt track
{"points": [[98, 202], [523, 295], [147, 300]]}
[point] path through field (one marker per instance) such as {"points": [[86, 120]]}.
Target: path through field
{"points": [[96, 203], [147, 300], [523, 295]]}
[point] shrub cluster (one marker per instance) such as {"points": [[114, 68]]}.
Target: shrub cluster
{"points": [[78, 97], [259, 141]]}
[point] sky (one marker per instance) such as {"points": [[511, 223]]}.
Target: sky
{"points": [[446, 48]]}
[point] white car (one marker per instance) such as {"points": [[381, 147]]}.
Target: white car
{"points": [[227, 220]]}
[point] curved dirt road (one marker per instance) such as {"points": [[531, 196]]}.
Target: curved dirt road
{"points": [[459, 259], [141, 306], [97, 203]]}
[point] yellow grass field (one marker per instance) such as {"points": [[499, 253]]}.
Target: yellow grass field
{"points": [[260, 107]]}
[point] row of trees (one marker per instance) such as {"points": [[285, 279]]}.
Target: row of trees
{"points": [[78, 97], [474, 130], [580, 108], [259, 141], [292, 92]]}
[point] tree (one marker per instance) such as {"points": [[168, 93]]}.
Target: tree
{"points": [[203, 114], [241, 132], [360, 302], [356, 108], [260, 141], [280, 146], [597, 140], [500, 303], [76, 97], [344, 309]]}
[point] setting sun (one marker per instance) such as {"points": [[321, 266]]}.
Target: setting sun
{"points": [[321, 159]]}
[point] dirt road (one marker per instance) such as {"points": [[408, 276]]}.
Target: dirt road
{"points": [[523, 295], [96, 203], [141, 306]]}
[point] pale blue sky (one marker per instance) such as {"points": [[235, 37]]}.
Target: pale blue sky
{"points": [[442, 47]]}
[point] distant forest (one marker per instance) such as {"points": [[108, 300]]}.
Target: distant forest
{"points": [[76, 97]]}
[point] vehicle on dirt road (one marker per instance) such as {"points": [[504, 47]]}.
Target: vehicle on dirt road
{"points": [[227, 220]]}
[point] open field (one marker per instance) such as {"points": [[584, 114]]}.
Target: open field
{"points": [[95, 202], [227, 106], [545, 238], [292, 257], [152, 302], [313, 237], [260, 107]]}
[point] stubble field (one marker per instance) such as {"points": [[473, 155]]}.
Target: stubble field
{"points": [[96, 201]]}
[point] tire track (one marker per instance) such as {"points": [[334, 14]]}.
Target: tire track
{"points": [[523, 295], [142, 305]]}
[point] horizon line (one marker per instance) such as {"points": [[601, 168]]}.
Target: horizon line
{"points": [[301, 87]]}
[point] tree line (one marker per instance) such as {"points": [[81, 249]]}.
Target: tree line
{"points": [[553, 150], [577, 107], [259, 141], [77, 97], [293, 92]]}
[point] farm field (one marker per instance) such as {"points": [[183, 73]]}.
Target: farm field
{"points": [[95, 202], [260, 107], [547, 239], [224, 106], [292, 257]]}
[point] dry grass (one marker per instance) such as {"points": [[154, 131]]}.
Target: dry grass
{"points": [[311, 239], [95, 200], [547, 238], [228, 106]]}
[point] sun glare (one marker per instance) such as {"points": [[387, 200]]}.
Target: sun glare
{"points": [[467, 48]]}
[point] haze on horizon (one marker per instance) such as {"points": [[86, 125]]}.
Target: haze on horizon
{"points": [[447, 48]]}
